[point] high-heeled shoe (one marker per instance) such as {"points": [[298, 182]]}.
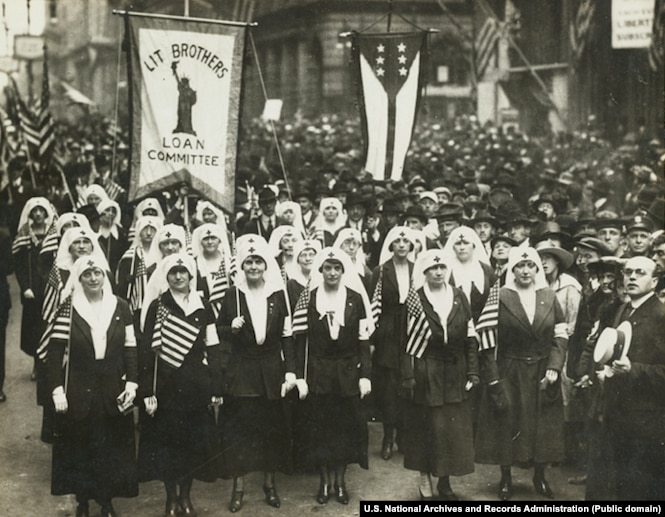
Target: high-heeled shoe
{"points": [[505, 489], [271, 496], [543, 487], [82, 510], [323, 494], [341, 494], [236, 501], [186, 506]]}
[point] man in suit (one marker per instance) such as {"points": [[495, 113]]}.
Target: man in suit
{"points": [[634, 416], [265, 223]]}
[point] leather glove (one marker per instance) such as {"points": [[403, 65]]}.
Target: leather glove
{"points": [[408, 387], [472, 381], [498, 396], [365, 387], [303, 389], [60, 400], [150, 405]]}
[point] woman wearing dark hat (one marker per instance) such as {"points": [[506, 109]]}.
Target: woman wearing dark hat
{"points": [[93, 449], [390, 285], [521, 413], [333, 364], [255, 325], [436, 380], [501, 246], [180, 378]]}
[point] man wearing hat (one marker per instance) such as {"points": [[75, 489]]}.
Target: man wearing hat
{"points": [[609, 229], [501, 246], [265, 223], [589, 249], [306, 202], [638, 236], [519, 229], [448, 217], [485, 225], [634, 389]]}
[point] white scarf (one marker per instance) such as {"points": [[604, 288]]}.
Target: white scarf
{"points": [[442, 303], [98, 316], [332, 305]]}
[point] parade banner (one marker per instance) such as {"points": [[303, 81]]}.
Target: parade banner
{"points": [[632, 22], [389, 72], [185, 78]]}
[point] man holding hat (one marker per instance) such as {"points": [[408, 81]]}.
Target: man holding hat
{"points": [[266, 222], [634, 389]]}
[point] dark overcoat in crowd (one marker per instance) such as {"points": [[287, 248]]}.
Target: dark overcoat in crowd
{"points": [[531, 429], [438, 430]]}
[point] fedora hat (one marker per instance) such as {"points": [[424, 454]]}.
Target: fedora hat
{"points": [[613, 343]]}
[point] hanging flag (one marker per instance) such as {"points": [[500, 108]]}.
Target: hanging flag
{"points": [[485, 45], [657, 46], [185, 79], [173, 337], [377, 299], [139, 281], [220, 283], [52, 293], [417, 330], [488, 322], [389, 76], [46, 125], [580, 30], [58, 327], [300, 320]]}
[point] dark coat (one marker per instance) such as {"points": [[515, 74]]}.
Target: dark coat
{"points": [[113, 248], [445, 367], [334, 367], [91, 380], [253, 369], [389, 338], [478, 298], [256, 227]]}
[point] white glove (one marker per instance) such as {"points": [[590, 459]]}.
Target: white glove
{"points": [[28, 294], [303, 389], [237, 323], [216, 401], [126, 398], [150, 405], [60, 400], [290, 380], [365, 387]]}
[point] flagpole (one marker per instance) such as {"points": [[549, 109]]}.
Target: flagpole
{"points": [[390, 14], [120, 12]]}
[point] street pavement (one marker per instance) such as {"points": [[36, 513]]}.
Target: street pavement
{"points": [[25, 464]]}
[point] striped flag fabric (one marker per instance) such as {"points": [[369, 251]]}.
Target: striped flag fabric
{"points": [[58, 327], [580, 30], [113, 190], [390, 76], [46, 124], [21, 240], [176, 339], [418, 330], [656, 49], [139, 281], [219, 286], [485, 45], [52, 292], [300, 320], [487, 326], [51, 240], [10, 132], [377, 300]]}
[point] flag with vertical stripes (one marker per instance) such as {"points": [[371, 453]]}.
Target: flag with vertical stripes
{"points": [[10, 133], [390, 78], [173, 337], [581, 30], [139, 281], [220, 283], [300, 320], [52, 293], [46, 125], [656, 49], [58, 327], [487, 326], [485, 45], [377, 299], [418, 330]]}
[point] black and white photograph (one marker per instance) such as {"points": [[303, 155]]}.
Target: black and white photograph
{"points": [[348, 257]]}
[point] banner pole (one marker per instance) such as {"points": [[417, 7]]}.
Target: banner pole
{"points": [[119, 12]]}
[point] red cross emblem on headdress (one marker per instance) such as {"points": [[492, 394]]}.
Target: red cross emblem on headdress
{"points": [[437, 259], [180, 262], [91, 263], [331, 255], [525, 256], [251, 250], [402, 234], [251, 240], [168, 235], [208, 233]]}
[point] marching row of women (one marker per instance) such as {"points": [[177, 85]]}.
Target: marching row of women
{"points": [[210, 337]]}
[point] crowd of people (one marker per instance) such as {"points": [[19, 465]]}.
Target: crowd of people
{"points": [[500, 304]]}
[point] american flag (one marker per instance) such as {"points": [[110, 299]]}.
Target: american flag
{"points": [[580, 29], [485, 45], [377, 299], [220, 283], [657, 47], [51, 240], [418, 330], [139, 281], [487, 326], [389, 72], [58, 327], [113, 190], [300, 320], [10, 132], [22, 240], [52, 292], [46, 124], [173, 336]]}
